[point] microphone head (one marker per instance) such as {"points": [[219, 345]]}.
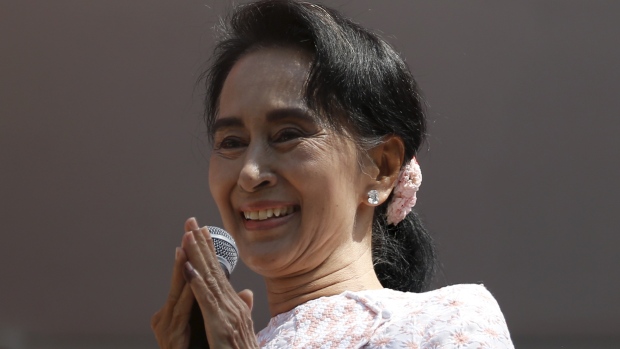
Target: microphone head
{"points": [[225, 249]]}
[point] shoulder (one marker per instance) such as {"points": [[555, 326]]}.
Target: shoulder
{"points": [[467, 300], [459, 315]]}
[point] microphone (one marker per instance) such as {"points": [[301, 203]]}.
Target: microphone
{"points": [[227, 254]]}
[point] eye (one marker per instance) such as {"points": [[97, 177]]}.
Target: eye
{"points": [[287, 134], [230, 143]]}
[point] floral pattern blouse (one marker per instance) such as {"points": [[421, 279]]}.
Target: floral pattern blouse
{"points": [[460, 316]]}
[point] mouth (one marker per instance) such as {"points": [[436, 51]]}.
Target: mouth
{"points": [[261, 215]]}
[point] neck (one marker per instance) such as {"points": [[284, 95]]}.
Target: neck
{"points": [[334, 276]]}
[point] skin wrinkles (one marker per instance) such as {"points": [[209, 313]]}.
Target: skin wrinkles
{"points": [[269, 148], [331, 279]]}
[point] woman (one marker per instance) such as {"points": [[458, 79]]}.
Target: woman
{"points": [[315, 124]]}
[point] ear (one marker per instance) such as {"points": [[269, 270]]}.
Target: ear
{"points": [[387, 160]]}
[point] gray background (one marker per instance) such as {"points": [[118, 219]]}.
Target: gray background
{"points": [[103, 156]]}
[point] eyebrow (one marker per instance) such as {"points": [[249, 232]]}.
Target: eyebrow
{"points": [[226, 122], [286, 113], [272, 116]]}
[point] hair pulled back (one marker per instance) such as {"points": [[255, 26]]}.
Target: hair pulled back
{"points": [[358, 83]]}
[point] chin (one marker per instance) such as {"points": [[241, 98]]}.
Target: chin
{"points": [[268, 259]]}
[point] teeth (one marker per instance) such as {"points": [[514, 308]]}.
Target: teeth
{"points": [[268, 213]]}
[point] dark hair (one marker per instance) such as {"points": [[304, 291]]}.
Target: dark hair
{"points": [[358, 83]]}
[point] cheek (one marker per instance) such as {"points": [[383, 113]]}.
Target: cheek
{"points": [[221, 180], [214, 178], [333, 165], [328, 180]]}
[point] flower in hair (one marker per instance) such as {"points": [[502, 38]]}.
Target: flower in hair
{"points": [[404, 196]]}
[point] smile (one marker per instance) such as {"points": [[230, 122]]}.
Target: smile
{"points": [[268, 213]]}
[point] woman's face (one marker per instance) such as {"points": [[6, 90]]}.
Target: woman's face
{"points": [[288, 189]]}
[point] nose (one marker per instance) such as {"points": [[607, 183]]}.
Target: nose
{"points": [[257, 172]]}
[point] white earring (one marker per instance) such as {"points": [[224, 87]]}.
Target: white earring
{"points": [[373, 197]]}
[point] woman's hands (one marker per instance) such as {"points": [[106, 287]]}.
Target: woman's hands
{"points": [[227, 316], [171, 323], [197, 274]]}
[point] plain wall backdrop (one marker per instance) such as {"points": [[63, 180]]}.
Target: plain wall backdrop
{"points": [[103, 155]]}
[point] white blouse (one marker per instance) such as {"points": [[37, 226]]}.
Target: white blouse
{"points": [[460, 316]]}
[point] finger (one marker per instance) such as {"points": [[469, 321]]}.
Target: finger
{"points": [[207, 293], [229, 317], [191, 224], [203, 293], [202, 260], [174, 331], [213, 258], [193, 251], [207, 248], [248, 297], [200, 251], [178, 281], [206, 235], [182, 310], [176, 293], [214, 263]]}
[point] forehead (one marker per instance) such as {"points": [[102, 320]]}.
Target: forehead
{"points": [[265, 79]]}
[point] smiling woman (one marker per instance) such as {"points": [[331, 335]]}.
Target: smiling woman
{"points": [[274, 155], [315, 123]]}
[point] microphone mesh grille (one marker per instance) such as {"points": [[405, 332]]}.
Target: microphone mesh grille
{"points": [[224, 246]]}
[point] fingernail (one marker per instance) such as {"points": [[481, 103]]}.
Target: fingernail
{"points": [[193, 223], [189, 272], [205, 232], [190, 237], [177, 253]]}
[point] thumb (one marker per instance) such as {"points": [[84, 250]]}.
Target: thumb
{"points": [[248, 297]]}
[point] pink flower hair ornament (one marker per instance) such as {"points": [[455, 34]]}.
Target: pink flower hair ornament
{"points": [[404, 195]]}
